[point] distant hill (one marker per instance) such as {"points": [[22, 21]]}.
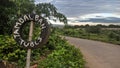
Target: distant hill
{"points": [[104, 20]]}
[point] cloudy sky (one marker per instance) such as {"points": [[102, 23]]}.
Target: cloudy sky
{"points": [[90, 11]]}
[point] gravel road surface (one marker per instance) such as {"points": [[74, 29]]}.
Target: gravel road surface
{"points": [[98, 54]]}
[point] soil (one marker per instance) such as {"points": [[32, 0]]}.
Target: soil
{"points": [[97, 54]]}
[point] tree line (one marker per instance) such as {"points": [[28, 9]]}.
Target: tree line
{"points": [[110, 33], [98, 25]]}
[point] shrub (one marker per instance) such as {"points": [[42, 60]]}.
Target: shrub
{"points": [[10, 51], [93, 29], [56, 51], [64, 56]]}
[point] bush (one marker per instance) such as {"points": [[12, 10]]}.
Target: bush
{"points": [[64, 56], [93, 33], [56, 51], [93, 29], [114, 36], [10, 51]]}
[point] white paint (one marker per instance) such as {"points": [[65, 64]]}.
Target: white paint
{"points": [[40, 21], [21, 20], [36, 17], [17, 25], [32, 44], [30, 17], [26, 44], [26, 17], [16, 31]]}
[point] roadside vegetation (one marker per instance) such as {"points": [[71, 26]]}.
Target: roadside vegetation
{"points": [[56, 53], [110, 34]]}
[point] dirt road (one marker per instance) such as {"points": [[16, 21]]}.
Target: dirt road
{"points": [[98, 54]]}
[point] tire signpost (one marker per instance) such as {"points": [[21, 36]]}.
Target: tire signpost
{"points": [[31, 44]]}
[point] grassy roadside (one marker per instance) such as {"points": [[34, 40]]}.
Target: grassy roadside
{"points": [[109, 36]]}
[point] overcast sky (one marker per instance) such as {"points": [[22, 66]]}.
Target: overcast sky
{"points": [[79, 8], [73, 8]]}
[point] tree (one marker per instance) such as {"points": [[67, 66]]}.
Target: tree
{"points": [[24, 6], [10, 10], [50, 11], [5, 11]]}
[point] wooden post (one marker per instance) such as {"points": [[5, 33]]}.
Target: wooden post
{"points": [[29, 50]]}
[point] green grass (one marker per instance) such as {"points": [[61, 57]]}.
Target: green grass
{"points": [[109, 36]]}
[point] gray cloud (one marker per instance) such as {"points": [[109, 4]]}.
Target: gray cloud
{"points": [[77, 8], [73, 8], [102, 20]]}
